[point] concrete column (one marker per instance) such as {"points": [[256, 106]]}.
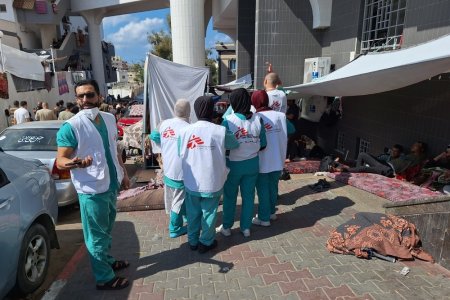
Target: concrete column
{"points": [[94, 22], [48, 33], [188, 32]]}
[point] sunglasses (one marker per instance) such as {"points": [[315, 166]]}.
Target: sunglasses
{"points": [[88, 95]]}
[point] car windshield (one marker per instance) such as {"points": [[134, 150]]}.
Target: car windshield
{"points": [[29, 139]]}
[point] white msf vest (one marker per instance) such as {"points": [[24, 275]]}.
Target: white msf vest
{"points": [[95, 178], [202, 152], [272, 158], [247, 134], [277, 100], [169, 131]]}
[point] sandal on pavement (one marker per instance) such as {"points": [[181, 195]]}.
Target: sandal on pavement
{"points": [[120, 264], [117, 283]]}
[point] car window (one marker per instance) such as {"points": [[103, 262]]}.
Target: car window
{"points": [[3, 179], [29, 139]]}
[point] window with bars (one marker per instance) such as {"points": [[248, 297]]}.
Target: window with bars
{"points": [[363, 145], [383, 24]]}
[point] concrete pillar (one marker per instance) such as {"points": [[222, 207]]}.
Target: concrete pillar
{"points": [[48, 33], [188, 32], [94, 22]]}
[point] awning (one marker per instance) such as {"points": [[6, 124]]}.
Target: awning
{"points": [[242, 82], [23, 64], [380, 72]]}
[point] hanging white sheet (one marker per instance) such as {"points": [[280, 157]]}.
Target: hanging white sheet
{"points": [[165, 82], [22, 64]]}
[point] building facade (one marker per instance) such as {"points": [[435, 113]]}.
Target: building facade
{"points": [[282, 33]]}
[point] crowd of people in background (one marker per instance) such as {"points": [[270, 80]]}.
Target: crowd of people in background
{"points": [[19, 112]]}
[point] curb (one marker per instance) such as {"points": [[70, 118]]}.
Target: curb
{"points": [[66, 273]]}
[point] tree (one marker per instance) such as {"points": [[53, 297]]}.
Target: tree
{"points": [[162, 47], [139, 70], [211, 62]]}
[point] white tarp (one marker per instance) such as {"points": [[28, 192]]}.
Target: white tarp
{"points": [[165, 82], [242, 82], [380, 72], [22, 64]]}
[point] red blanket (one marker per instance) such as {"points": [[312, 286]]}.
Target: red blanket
{"points": [[304, 166], [389, 188]]}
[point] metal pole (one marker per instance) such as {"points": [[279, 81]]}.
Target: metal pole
{"points": [[1, 52], [53, 59]]}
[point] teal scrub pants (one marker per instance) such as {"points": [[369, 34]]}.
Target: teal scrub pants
{"points": [[242, 175], [267, 189], [201, 217], [98, 213], [176, 221]]}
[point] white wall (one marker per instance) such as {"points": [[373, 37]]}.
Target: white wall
{"points": [[9, 14], [34, 96]]}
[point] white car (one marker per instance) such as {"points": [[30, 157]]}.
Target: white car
{"points": [[37, 140], [28, 214]]}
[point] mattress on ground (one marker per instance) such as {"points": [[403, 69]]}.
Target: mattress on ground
{"points": [[303, 166], [141, 198], [389, 188]]}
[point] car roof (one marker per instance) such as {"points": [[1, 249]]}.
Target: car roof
{"points": [[38, 124]]}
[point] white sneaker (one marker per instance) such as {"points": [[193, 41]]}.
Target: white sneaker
{"points": [[258, 222], [273, 217], [246, 233], [223, 231]]}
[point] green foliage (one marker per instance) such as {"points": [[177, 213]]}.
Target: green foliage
{"points": [[139, 69], [162, 47]]}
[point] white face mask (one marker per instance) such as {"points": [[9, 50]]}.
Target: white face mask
{"points": [[91, 113]]}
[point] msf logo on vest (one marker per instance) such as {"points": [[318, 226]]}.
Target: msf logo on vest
{"points": [[194, 141], [168, 133], [276, 105], [240, 133]]}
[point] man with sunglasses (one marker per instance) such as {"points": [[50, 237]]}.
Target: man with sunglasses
{"points": [[87, 147]]}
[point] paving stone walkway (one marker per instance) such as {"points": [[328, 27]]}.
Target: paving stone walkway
{"points": [[288, 260]]}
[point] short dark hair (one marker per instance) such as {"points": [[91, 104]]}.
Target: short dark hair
{"points": [[399, 147], [16, 103], [70, 105], [92, 82], [23, 103], [61, 102], [424, 146]]}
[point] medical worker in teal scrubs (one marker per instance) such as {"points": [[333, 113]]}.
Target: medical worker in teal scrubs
{"points": [[167, 137], [271, 160], [87, 147], [202, 148], [243, 162]]}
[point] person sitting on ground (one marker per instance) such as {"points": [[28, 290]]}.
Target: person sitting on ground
{"points": [[442, 160], [67, 114], [366, 163]]}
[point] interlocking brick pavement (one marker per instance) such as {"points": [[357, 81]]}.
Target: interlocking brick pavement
{"points": [[287, 260]]}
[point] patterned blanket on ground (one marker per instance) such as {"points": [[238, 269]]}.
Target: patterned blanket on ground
{"points": [[384, 234], [389, 188], [302, 167]]}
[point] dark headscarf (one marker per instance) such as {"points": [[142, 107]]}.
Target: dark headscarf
{"points": [[260, 100], [204, 108], [240, 102]]}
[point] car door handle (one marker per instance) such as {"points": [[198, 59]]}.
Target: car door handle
{"points": [[4, 203]]}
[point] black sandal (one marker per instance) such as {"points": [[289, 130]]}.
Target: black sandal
{"points": [[117, 283], [120, 264]]}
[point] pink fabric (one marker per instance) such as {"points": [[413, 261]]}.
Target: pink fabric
{"points": [[41, 6], [389, 188], [302, 167]]}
